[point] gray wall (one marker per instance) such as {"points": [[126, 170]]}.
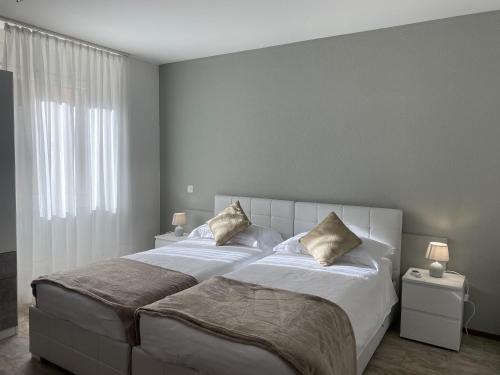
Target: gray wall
{"points": [[144, 153], [405, 117]]}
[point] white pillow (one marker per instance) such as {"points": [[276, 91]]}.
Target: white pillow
{"points": [[202, 232], [292, 245], [254, 236], [368, 253]]}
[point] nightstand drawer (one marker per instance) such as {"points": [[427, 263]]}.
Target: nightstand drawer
{"points": [[432, 329], [440, 301]]}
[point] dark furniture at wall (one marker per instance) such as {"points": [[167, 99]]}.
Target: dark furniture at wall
{"points": [[8, 269]]}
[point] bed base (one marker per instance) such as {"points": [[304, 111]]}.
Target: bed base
{"points": [[372, 345], [144, 363], [75, 349]]}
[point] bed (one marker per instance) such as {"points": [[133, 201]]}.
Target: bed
{"points": [[86, 337], [366, 294]]}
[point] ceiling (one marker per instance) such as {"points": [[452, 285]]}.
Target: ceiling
{"points": [[162, 31]]}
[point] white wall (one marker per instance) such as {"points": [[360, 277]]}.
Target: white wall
{"points": [[144, 153]]}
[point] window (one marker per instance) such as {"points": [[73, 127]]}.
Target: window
{"points": [[75, 161]]}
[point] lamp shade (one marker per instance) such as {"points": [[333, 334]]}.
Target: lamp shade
{"points": [[179, 218], [438, 251]]}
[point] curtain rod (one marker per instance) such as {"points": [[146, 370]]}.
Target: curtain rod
{"points": [[61, 36]]}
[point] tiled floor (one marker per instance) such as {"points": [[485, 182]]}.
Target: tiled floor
{"points": [[394, 356]]}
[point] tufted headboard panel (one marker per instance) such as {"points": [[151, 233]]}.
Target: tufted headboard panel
{"points": [[290, 218], [273, 213], [381, 224]]}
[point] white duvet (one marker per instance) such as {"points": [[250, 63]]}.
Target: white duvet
{"points": [[365, 293], [199, 258]]}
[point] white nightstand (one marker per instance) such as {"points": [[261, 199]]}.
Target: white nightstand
{"points": [[432, 309], [168, 239]]}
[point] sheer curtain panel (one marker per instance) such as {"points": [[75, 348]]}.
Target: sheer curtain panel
{"points": [[71, 137]]}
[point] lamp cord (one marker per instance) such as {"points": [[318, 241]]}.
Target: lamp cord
{"points": [[466, 326]]}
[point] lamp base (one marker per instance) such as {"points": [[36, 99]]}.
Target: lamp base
{"points": [[179, 231], [436, 270]]}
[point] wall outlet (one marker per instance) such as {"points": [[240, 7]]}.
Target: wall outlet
{"points": [[190, 188]]}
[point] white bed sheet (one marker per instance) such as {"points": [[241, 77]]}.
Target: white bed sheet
{"points": [[366, 295], [199, 258]]}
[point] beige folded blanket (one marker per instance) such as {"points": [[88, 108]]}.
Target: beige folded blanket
{"points": [[122, 284], [313, 335]]}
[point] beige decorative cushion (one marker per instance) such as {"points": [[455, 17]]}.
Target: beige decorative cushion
{"points": [[228, 223], [329, 240]]}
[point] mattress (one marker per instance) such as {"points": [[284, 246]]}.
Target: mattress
{"points": [[366, 295], [199, 258]]}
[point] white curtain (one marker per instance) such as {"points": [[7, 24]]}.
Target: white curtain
{"points": [[72, 188]]}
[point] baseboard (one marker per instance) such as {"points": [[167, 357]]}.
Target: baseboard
{"points": [[487, 335]]}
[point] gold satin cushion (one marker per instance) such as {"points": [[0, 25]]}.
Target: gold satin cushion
{"points": [[228, 223], [329, 240]]}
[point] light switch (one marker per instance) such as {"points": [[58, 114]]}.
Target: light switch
{"points": [[190, 188]]}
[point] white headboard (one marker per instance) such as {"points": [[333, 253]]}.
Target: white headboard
{"points": [[380, 224], [273, 213], [290, 218]]}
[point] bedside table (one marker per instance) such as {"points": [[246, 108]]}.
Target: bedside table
{"points": [[168, 239], [432, 309]]}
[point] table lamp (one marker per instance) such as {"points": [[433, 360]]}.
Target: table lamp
{"points": [[438, 252], [179, 219]]}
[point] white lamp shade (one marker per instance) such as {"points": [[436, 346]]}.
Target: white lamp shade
{"points": [[438, 251], [179, 218]]}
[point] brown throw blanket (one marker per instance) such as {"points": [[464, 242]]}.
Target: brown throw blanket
{"points": [[122, 284], [311, 334]]}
